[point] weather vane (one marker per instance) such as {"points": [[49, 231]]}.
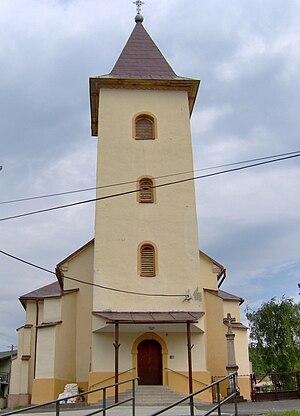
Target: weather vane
{"points": [[138, 4]]}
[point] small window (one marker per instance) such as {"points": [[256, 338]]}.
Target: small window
{"points": [[146, 191], [147, 260], [144, 127]]}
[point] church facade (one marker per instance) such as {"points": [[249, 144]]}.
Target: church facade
{"points": [[130, 301]]}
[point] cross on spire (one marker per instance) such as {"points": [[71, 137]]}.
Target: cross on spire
{"points": [[138, 4]]}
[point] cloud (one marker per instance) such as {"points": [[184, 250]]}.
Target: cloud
{"points": [[206, 119]]}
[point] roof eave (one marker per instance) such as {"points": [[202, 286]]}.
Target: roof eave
{"points": [[219, 293], [25, 299], [191, 86]]}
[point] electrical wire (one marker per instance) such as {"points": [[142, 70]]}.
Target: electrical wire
{"points": [[112, 289], [137, 190], [134, 181]]}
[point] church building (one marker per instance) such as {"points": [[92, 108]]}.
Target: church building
{"points": [[134, 300]]}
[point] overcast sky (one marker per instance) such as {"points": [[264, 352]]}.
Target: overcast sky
{"points": [[247, 55]]}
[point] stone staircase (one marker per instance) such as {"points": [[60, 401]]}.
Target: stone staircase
{"points": [[152, 396]]}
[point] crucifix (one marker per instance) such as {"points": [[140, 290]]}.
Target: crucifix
{"points": [[229, 320], [231, 367], [138, 4]]}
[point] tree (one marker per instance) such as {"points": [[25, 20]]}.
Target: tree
{"points": [[275, 337]]}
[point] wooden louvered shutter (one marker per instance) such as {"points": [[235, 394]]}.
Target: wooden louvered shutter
{"points": [[144, 128], [147, 261], [146, 190]]}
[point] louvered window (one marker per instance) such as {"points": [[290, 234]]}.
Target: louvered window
{"points": [[144, 128], [146, 190], [147, 260]]}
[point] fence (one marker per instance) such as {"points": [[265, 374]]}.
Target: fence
{"points": [[275, 386]]}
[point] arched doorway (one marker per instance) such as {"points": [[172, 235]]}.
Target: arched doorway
{"points": [[150, 362]]}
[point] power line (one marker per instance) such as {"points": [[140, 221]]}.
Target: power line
{"points": [[137, 190], [129, 292], [74, 191]]}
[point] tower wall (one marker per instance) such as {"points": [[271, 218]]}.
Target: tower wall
{"points": [[122, 223]]}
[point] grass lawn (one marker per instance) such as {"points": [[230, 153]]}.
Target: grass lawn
{"points": [[287, 413]]}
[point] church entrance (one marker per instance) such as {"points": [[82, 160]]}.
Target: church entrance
{"points": [[150, 362]]}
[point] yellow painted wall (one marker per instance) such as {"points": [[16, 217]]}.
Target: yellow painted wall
{"points": [[81, 266], [52, 309], [180, 382], [209, 273], [233, 308], [65, 340], [48, 389], [45, 367], [241, 351], [22, 370], [215, 332], [63, 350], [170, 223], [15, 377]]}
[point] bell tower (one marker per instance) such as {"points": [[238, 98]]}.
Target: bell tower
{"points": [[146, 234]]}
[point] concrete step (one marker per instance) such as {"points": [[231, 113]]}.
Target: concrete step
{"points": [[151, 396]]}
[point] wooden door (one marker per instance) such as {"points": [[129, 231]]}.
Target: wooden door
{"points": [[150, 362]]}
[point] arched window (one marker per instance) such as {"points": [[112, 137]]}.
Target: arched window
{"points": [[146, 191], [144, 127], [147, 260]]}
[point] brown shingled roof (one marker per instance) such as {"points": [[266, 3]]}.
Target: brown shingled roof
{"points": [[50, 291], [141, 58], [141, 65], [44, 292], [225, 295]]}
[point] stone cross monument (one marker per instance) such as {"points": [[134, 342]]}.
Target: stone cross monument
{"points": [[231, 367]]}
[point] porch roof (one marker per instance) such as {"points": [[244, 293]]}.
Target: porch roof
{"points": [[149, 317]]}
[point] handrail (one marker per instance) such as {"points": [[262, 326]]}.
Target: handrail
{"points": [[219, 403], [57, 401], [112, 377], [183, 375]]}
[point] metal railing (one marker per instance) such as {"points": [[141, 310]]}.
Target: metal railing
{"points": [[112, 377], [185, 376], [103, 409], [231, 380]]}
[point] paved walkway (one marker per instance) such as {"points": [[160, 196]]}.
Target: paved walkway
{"points": [[124, 411], [248, 408], [259, 408]]}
